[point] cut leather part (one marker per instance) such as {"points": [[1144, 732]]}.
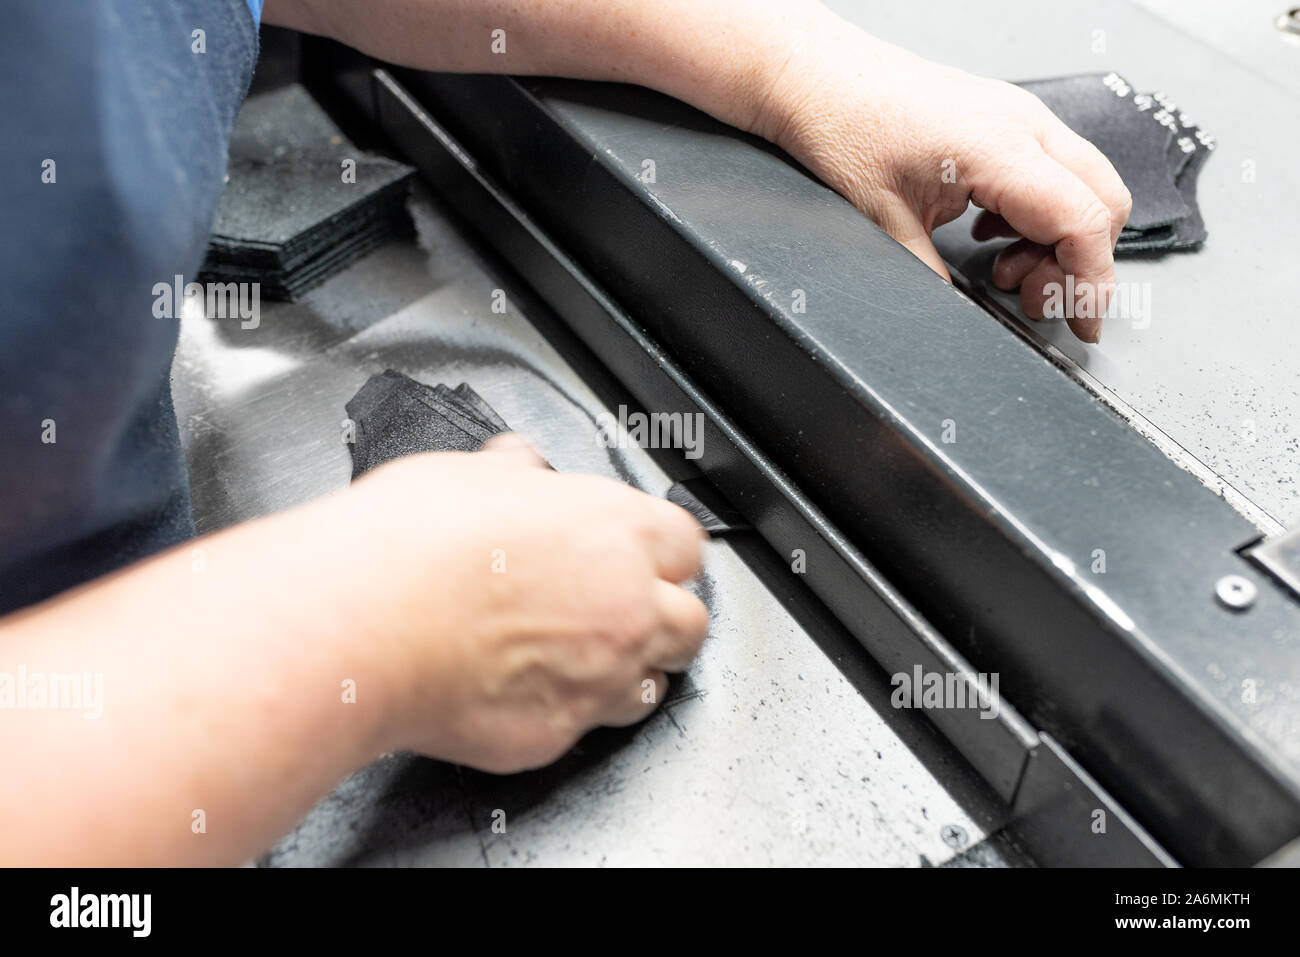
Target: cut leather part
{"points": [[1153, 144], [301, 202], [463, 417], [290, 285], [1107, 117], [1191, 232], [471, 399], [393, 415]]}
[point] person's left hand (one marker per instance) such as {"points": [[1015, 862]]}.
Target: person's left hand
{"points": [[911, 143]]}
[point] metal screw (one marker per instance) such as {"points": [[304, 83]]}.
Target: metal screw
{"points": [[954, 835], [1235, 592]]}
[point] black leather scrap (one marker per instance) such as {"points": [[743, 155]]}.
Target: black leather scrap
{"points": [[288, 218], [395, 415], [1154, 145]]}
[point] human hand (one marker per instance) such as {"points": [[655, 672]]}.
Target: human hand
{"points": [[910, 143], [520, 607]]}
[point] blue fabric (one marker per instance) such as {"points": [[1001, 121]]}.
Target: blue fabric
{"points": [[135, 120], [255, 7]]}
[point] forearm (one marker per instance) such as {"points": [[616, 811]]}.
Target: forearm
{"points": [[211, 710], [722, 56]]}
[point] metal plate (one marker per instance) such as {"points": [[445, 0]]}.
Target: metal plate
{"points": [[1002, 749], [778, 747], [1212, 366], [1280, 556], [851, 399]]}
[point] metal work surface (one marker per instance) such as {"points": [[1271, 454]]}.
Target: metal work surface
{"points": [[1136, 670], [1141, 670], [778, 747], [1046, 792], [1214, 364]]}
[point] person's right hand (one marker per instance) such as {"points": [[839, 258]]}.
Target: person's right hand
{"points": [[519, 607]]}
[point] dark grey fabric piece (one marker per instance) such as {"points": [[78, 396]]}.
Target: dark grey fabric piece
{"points": [[1155, 146], [472, 400], [395, 415], [1136, 145], [1190, 233], [291, 284], [288, 219], [462, 417], [1184, 144]]}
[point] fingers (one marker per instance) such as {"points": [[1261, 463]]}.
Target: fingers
{"points": [[511, 448], [1090, 165], [681, 619], [684, 625], [991, 226], [1048, 204], [1036, 300], [639, 701], [1016, 261], [674, 539]]}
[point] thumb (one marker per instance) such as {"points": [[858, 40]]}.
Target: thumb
{"points": [[511, 448]]}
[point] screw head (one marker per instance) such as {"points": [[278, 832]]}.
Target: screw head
{"points": [[1235, 592], [954, 835]]}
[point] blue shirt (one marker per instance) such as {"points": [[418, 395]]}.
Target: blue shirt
{"points": [[114, 120]]}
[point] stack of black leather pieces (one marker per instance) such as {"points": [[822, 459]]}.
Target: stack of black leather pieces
{"points": [[1154, 145], [301, 202], [394, 415]]}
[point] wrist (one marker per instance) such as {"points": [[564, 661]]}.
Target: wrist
{"points": [[342, 616], [831, 107], [400, 601], [783, 90]]}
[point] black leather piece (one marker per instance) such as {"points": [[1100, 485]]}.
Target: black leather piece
{"points": [[394, 415], [1126, 134], [1154, 145], [462, 417], [473, 400], [287, 218], [1191, 232]]}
